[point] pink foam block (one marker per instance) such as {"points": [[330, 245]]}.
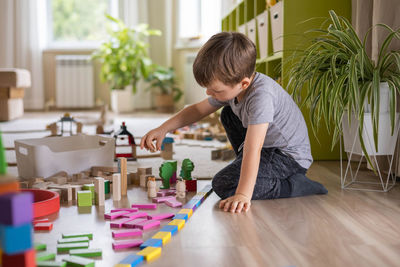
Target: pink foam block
{"points": [[118, 223], [125, 209], [147, 206], [135, 215], [173, 203], [127, 244], [115, 215], [127, 233], [148, 224], [133, 223], [161, 216], [161, 194], [162, 199]]}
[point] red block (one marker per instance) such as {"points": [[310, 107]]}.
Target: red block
{"points": [[44, 226], [191, 185], [26, 259]]}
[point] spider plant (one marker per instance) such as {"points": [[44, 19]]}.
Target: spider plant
{"points": [[339, 78]]}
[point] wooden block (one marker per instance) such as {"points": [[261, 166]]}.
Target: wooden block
{"points": [[143, 180], [173, 229], [135, 215], [44, 226], [66, 192], [115, 215], [84, 198], [99, 191], [79, 261], [133, 223], [91, 188], [173, 203], [51, 264], [189, 212], [151, 243], [162, 199], [130, 261], [122, 168], [150, 253], [216, 154], [117, 245], [147, 206], [58, 180], [73, 235], [178, 222], [45, 256], [144, 170], [116, 187], [134, 178], [125, 209], [148, 224], [87, 253], [69, 246], [182, 216], [39, 246], [164, 236], [107, 186], [11, 92], [24, 184], [16, 208], [26, 259], [73, 240], [191, 185], [228, 154], [161, 216], [118, 223], [16, 239], [74, 191], [127, 233]]}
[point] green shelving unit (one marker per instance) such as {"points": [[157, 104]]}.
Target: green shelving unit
{"points": [[298, 17]]}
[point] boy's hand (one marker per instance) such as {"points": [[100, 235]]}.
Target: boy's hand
{"points": [[157, 134], [236, 203]]}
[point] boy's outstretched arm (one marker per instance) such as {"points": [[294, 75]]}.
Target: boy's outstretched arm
{"points": [[184, 117], [253, 144]]}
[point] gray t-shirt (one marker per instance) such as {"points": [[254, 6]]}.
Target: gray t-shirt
{"points": [[266, 101]]}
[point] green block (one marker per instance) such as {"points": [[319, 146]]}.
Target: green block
{"points": [[51, 264], [90, 252], [73, 240], [89, 187], [45, 256], [3, 162], [85, 198], [79, 261], [106, 187], [69, 246], [39, 246], [73, 235]]}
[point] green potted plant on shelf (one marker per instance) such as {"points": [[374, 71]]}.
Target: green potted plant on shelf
{"points": [[347, 88], [125, 60], [163, 82]]}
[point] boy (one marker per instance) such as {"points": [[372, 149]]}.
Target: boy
{"points": [[264, 125]]}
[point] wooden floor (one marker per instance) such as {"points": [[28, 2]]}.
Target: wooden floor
{"points": [[342, 228]]}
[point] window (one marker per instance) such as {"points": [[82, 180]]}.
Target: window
{"points": [[198, 20], [78, 23]]}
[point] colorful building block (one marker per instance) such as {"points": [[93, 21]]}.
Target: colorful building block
{"points": [[162, 199], [191, 185], [99, 191], [164, 236], [16, 239], [178, 222], [79, 261], [151, 243], [51, 264], [150, 253], [119, 223], [161, 216], [131, 243], [73, 240], [45, 256], [189, 212], [44, 226], [106, 187], [86, 252], [125, 209], [147, 206], [122, 169], [135, 215], [133, 223], [26, 259], [182, 216], [173, 203], [16, 208], [127, 233], [89, 187], [148, 224], [40, 221], [73, 235], [39, 247], [116, 183], [67, 247], [115, 215], [85, 198], [173, 229], [130, 261]]}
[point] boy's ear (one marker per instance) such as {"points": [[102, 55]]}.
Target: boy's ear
{"points": [[245, 82]]}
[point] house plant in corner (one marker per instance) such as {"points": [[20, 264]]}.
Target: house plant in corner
{"points": [[163, 82], [347, 88], [125, 60]]}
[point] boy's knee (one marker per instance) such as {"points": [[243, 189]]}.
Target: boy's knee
{"points": [[219, 187]]}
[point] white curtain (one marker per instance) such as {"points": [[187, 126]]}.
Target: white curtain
{"points": [[22, 39]]}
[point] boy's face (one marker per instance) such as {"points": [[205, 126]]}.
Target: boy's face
{"points": [[223, 92]]}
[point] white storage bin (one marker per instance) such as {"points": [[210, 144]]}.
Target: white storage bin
{"points": [[262, 27], [251, 30], [242, 29], [277, 26], [44, 157]]}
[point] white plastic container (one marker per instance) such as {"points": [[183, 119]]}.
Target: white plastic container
{"points": [[44, 157]]}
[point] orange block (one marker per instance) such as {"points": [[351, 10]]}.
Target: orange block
{"points": [[8, 184]]}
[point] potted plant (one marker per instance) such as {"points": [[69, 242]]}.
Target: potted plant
{"points": [[163, 81], [125, 60], [347, 88]]}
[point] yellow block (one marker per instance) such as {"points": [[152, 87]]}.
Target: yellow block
{"points": [[189, 212], [164, 236], [178, 222], [122, 265], [150, 253]]}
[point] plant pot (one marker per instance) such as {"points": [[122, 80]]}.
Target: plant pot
{"points": [[165, 103], [383, 99], [122, 100]]}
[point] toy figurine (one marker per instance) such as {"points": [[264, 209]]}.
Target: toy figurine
{"points": [[180, 188], [151, 187]]}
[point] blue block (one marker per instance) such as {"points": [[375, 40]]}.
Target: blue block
{"points": [[182, 216], [152, 242], [168, 140], [133, 260], [16, 239], [170, 228], [16, 208]]}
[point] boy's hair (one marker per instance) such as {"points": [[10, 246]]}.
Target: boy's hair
{"points": [[227, 56]]}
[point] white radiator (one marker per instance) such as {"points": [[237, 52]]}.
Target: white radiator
{"points": [[74, 81], [193, 91]]}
